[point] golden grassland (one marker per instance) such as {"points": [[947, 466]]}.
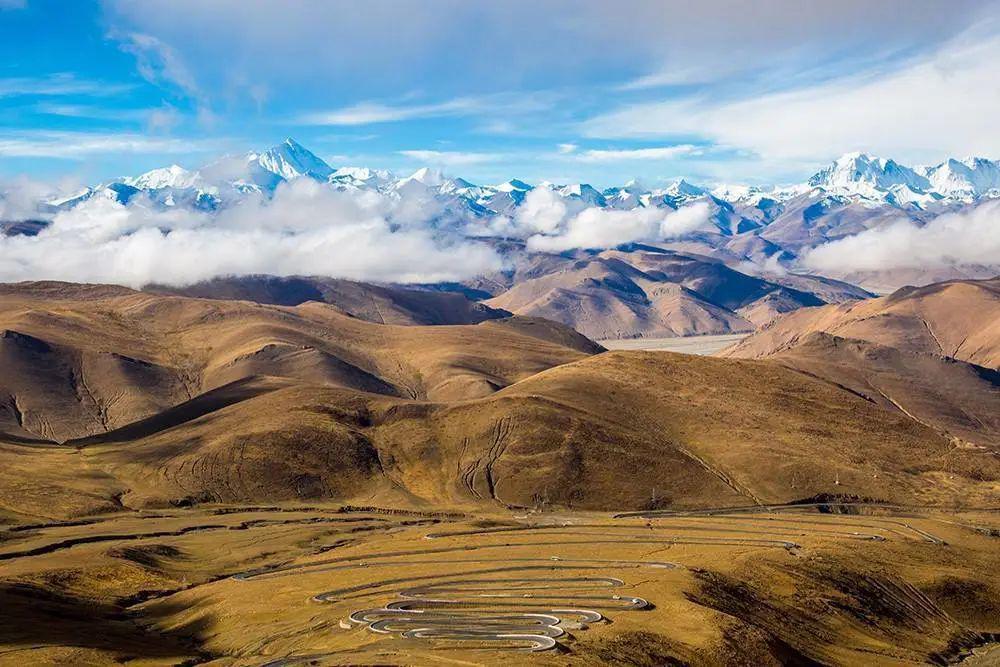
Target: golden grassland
{"points": [[238, 585]]}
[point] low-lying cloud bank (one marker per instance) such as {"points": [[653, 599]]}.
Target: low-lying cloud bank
{"points": [[409, 236], [19, 198], [310, 228], [551, 223], [967, 237], [306, 228]]}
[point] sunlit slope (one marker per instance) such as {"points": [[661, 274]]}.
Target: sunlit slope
{"points": [[622, 430], [78, 360], [958, 399], [959, 319]]}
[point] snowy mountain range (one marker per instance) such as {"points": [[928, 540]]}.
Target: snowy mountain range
{"points": [[856, 178], [766, 233], [743, 226]]}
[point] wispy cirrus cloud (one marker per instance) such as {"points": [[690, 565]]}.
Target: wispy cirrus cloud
{"points": [[161, 64], [369, 113], [451, 158], [158, 119], [68, 110], [560, 42], [60, 84], [79, 145], [673, 76], [158, 62], [624, 154], [930, 107], [348, 136]]}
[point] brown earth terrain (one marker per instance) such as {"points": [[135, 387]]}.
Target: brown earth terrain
{"points": [[384, 304], [79, 360], [321, 585], [644, 291], [931, 353], [195, 481], [958, 319]]}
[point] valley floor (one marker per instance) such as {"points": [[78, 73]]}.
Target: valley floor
{"points": [[705, 345]]}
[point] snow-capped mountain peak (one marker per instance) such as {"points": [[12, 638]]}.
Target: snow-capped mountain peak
{"points": [[681, 189], [860, 173], [513, 185], [626, 197], [582, 191], [880, 181], [173, 176], [964, 179], [361, 178], [735, 192], [359, 173], [290, 160], [427, 176], [458, 184]]}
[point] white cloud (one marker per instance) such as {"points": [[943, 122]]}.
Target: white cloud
{"points": [[654, 80], [659, 153], [158, 62], [336, 138], [19, 198], [770, 266], [543, 211], [156, 119], [55, 85], [79, 145], [937, 105], [554, 224], [971, 236], [571, 151], [685, 220], [598, 228], [162, 119], [451, 46], [451, 158], [306, 228], [367, 113]]}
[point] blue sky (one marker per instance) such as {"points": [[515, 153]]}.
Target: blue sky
{"points": [[558, 90]]}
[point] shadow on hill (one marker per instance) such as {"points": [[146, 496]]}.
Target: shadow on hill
{"points": [[27, 441], [35, 616], [199, 406]]}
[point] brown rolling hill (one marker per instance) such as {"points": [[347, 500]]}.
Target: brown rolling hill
{"points": [[958, 319], [622, 430], [643, 291], [305, 403], [384, 304], [78, 360], [930, 353], [958, 399]]}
